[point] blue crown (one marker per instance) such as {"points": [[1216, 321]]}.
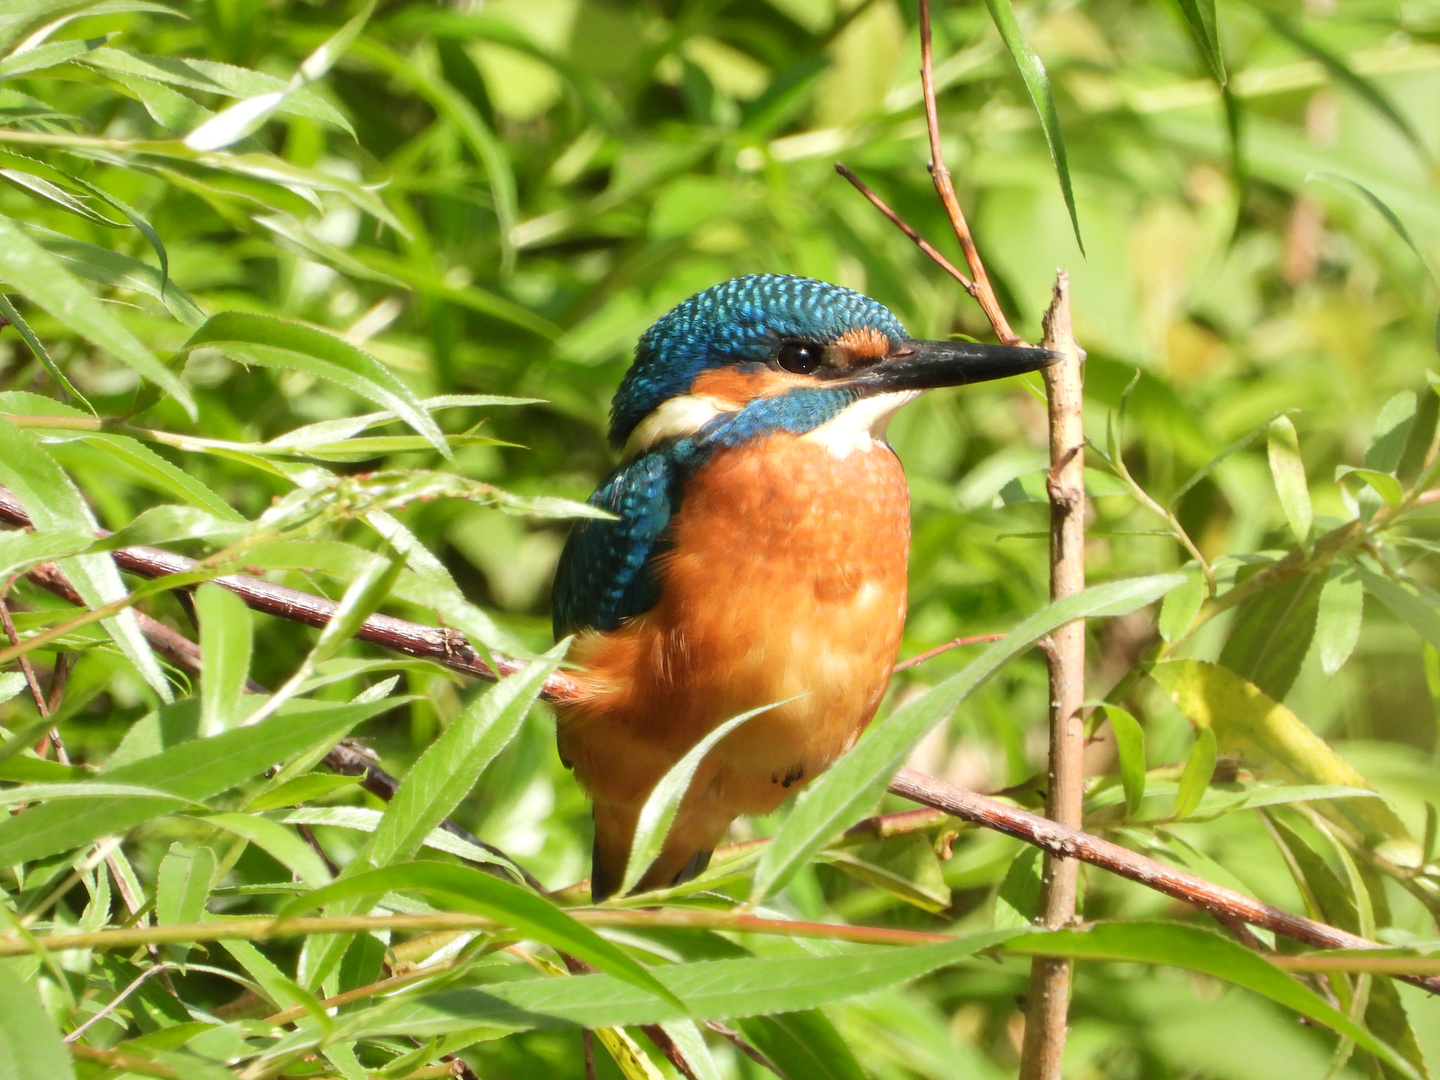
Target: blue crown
{"points": [[740, 321]]}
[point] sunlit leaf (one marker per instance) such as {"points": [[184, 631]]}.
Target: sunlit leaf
{"points": [[272, 342], [468, 889], [1266, 734], [30, 1047], [1337, 624], [1199, 767], [1288, 472]]}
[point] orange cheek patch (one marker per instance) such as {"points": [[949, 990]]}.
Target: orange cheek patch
{"points": [[735, 388], [862, 345]]}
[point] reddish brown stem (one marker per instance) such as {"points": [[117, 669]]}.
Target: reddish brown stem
{"points": [[1223, 904], [983, 291], [901, 224], [959, 642]]}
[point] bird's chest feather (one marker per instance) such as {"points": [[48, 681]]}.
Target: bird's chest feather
{"points": [[785, 579]]}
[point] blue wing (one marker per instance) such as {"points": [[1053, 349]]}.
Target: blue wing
{"points": [[606, 572]]}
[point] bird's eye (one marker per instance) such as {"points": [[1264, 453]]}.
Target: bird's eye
{"points": [[800, 357]]}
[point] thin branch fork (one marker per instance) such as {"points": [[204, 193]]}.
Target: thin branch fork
{"points": [[1225, 904]]}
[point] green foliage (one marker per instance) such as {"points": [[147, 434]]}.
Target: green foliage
{"points": [[230, 228]]}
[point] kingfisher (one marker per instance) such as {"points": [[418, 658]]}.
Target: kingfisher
{"points": [[757, 555]]}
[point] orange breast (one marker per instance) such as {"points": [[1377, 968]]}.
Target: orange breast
{"points": [[787, 580]]}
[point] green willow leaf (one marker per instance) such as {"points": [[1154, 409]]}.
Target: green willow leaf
{"points": [[658, 813], [713, 990], [226, 645], [43, 280], [1288, 472], [30, 1047], [1199, 767], [272, 342], [1130, 746], [1338, 618], [15, 319], [1394, 220], [1037, 82], [1200, 14], [452, 764], [193, 770], [852, 785], [467, 889], [55, 505]]}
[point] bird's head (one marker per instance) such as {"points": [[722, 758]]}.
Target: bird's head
{"points": [[808, 347]]}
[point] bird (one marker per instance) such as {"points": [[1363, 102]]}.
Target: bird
{"points": [[756, 555]]}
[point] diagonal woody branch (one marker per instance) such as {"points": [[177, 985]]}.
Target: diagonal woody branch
{"points": [[448, 648]]}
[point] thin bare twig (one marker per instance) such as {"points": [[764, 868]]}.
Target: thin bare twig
{"points": [[901, 224], [983, 292], [958, 643]]}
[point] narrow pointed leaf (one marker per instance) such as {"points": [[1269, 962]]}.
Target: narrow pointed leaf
{"points": [[41, 278], [467, 889], [1037, 82], [1196, 949], [272, 342], [451, 765], [1200, 14], [1337, 624], [660, 807], [30, 1047], [1288, 472], [54, 504], [191, 770], [225, 648], [1199, 767]]}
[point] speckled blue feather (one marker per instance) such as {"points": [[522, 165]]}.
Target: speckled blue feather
{"points": [[607, 570], [740, 321]]}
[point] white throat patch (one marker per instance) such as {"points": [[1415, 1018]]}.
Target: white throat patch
{"points": [[861, 426], [675, 418]]}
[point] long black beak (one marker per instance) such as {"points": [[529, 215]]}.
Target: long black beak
{"points": [[926, 365]]}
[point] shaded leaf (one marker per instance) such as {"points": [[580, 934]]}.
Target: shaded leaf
{"points": [[43, 280], [1272, 632], [272, 342], [192, 770]]}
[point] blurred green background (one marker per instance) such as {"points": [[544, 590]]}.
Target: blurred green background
{"points": [[498, 197]]}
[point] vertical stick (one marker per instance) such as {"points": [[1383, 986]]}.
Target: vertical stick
{"points": [[1049, 996]]}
